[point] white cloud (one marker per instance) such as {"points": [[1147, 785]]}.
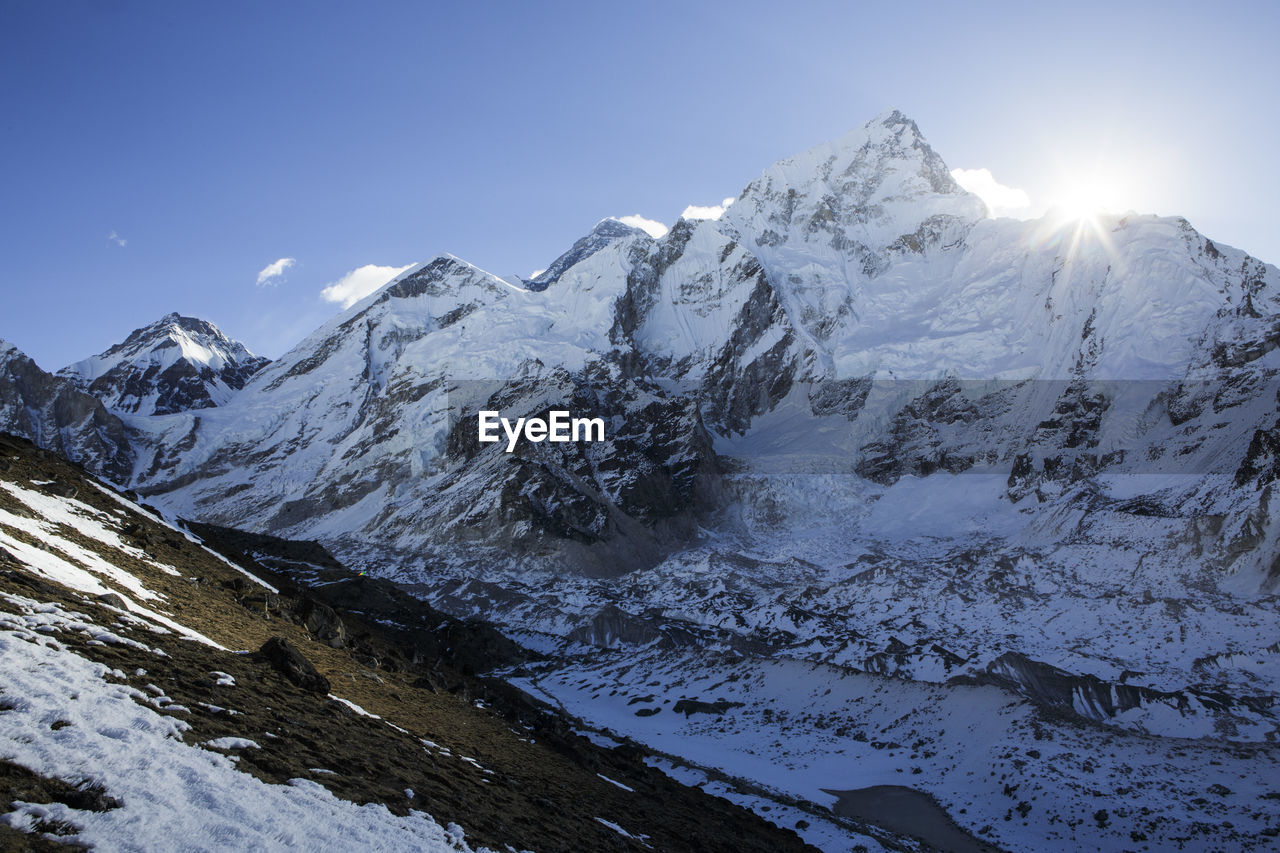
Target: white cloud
{"points": [[656, 229], [698, 211], [117, 239], [359, 283], [274, 270], [1000, 200]]}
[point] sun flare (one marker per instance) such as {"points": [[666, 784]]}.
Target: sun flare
{"points": [[1087, 198], [1078, 212]]}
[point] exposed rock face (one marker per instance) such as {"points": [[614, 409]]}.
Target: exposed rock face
{"points": [[173, 365], [322, 622], [1092, 697], [613, 627], [52, 412]]}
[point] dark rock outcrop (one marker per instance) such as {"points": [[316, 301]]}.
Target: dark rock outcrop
{"points": [[56, 415], [290, 663]]}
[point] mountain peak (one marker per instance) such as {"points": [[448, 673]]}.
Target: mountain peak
{"points": [[894, 120], [858, 195], [190, 324], [173, 364], [892, 117], [611, 226], [899, 144], [178, 327], [602, 234]]}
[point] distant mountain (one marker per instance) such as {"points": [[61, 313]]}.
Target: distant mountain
{"points": [[362, 420], [604, 233], [173, 365], [53, 412]]}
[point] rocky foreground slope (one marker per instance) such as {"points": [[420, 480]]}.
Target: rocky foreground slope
{"points": [[153, 690]]}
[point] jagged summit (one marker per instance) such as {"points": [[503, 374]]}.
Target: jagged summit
{"points": [[612, 226], [195, 340], [605, 232], [872, 190], [172, 365]]}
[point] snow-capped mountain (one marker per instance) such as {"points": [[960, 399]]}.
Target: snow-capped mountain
{"points": [[853, 323], [173, 365], [358, 427], [829, 314], [605, 232], [854, 426]]}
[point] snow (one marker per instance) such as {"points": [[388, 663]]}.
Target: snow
{"points": [[168, 789], [77, 515], [943, 506], [231, 743], [643, 839], [354, 707], [824, 831], [51, 512], [166, 523], [616, 782], [80, 568], [805, 727], [46, 619]]}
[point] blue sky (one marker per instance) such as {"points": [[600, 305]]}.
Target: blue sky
{"points": [[157, 156]]}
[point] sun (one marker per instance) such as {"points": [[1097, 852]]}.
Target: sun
{"points": [[1079, 213], [1087, 197]]}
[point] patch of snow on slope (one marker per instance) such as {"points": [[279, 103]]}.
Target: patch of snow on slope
{"points": [[169, 789], [69, 564]]}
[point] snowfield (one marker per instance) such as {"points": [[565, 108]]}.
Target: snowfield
{"points": [[1007, 773]]}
